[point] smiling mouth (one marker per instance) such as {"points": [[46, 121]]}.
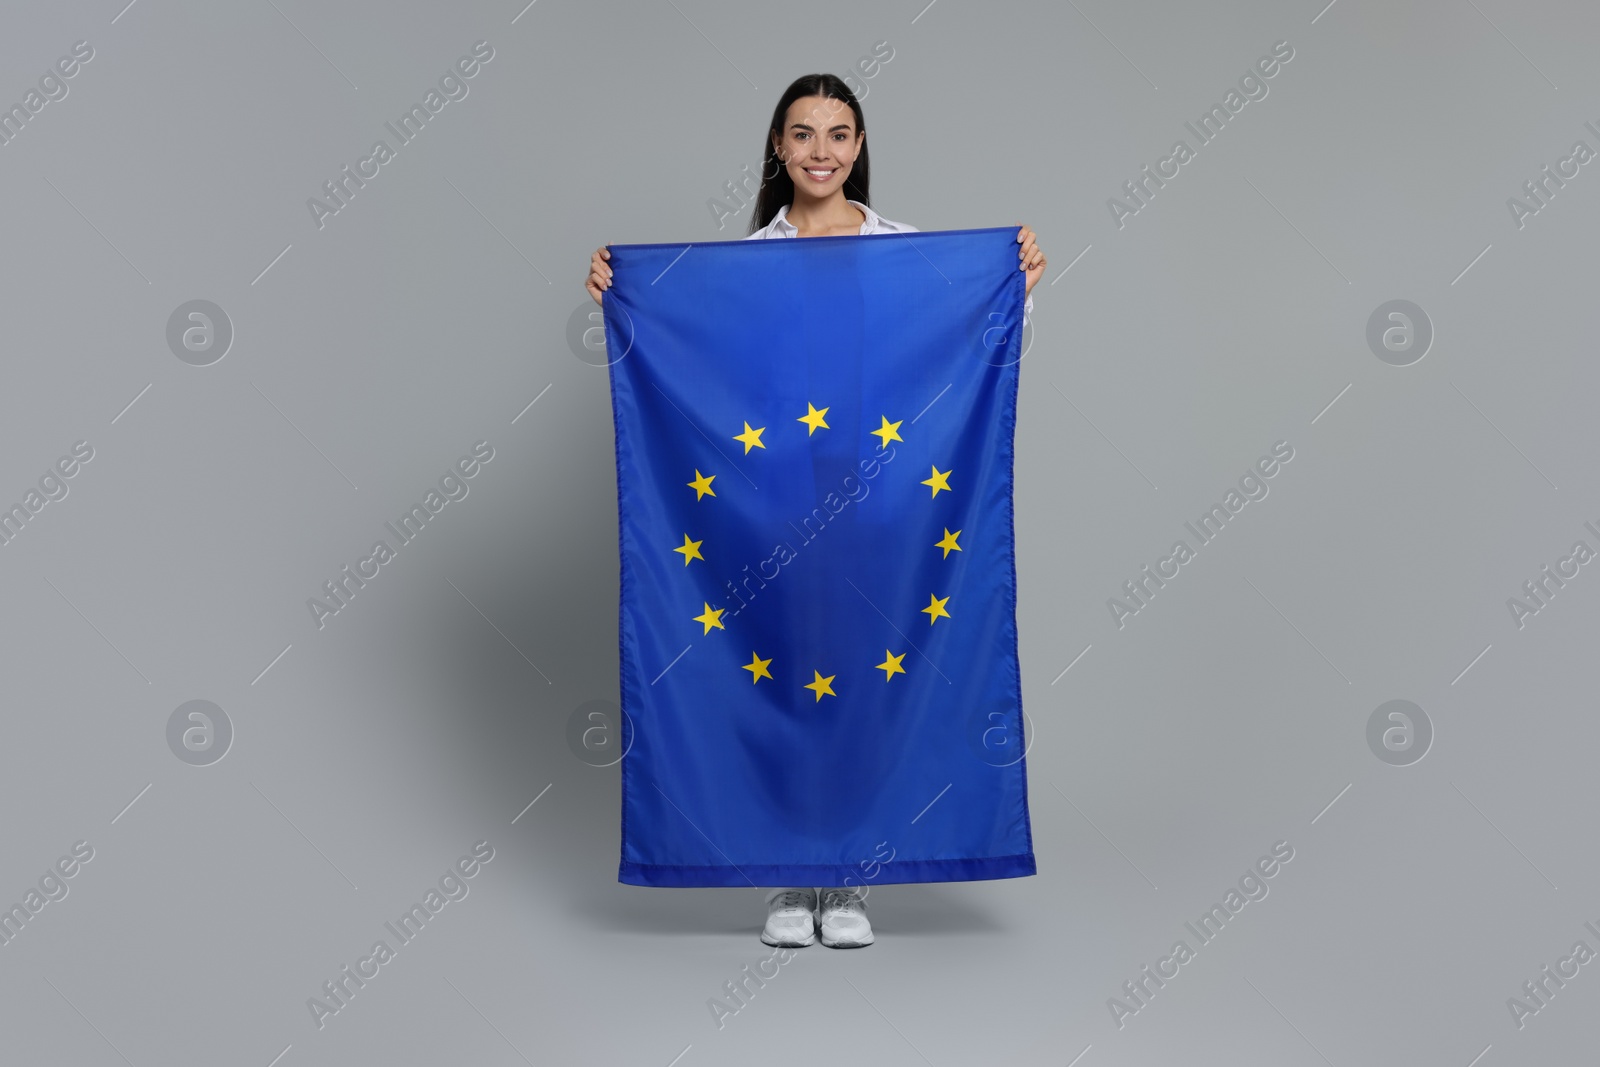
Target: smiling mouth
{"points": [[820, 174]]}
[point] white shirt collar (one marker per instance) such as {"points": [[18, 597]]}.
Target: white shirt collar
{"points": [[780, 226]]}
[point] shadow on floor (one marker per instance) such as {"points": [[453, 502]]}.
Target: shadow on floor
{"points": [[918, 908]]}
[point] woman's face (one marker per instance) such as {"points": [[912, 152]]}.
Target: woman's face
{"points": [[819, 144]]}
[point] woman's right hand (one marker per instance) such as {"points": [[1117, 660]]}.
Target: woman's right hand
{"points": [[599, 278]]}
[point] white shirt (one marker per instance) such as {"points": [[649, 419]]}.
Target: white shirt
{"points": [[780, 226]]}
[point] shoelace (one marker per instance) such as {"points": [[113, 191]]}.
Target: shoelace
{"points": [[842, 899], [792, 899]]}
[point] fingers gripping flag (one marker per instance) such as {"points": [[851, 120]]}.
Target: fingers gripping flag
{"points": [[817, 631]]}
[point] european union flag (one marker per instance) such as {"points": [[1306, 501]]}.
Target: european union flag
{"points": [[818, 589]]}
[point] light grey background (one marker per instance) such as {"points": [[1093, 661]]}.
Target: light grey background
{"points": [[368, 355]]}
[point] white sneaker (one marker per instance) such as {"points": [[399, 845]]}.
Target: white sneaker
{"points": [[789, 920], [842, 918]]}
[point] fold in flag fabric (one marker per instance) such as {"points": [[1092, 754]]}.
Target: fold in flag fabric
{"points": [[818, 638]]}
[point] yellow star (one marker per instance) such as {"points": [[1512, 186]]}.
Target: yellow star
{"points": [[940, 480], [691, 550], [751, 438], [889, 431], [757, 668], [813, 419], [822, 686], [891, 665], [935, 608], [712, 617], [948, 544], [701, 484]]}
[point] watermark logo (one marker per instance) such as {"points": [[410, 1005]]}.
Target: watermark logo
{"points": [[586, 333], [1399, 733], [599, 733], [52, 887], [1142, 190], [1540, 590], [994, 737], [996, 352], [342, 589], [1140, 591], [338, 991], [452, 87], [1399, 333], [199, 732], [1543, 188], [747, 584], [199, 333], [52, 487], [52, 87], [1540, 990], [740, 991], [871, 868], [1138, 992]]}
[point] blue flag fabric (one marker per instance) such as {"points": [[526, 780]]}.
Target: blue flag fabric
{"points": [[817, 632]]}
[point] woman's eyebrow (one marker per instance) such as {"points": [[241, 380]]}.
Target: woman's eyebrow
{"points": [[807, 126]]}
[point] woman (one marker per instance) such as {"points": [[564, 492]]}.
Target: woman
{"points": [[814, 183]]}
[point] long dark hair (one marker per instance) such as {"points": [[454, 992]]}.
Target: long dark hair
{"points": [[777, 188]]}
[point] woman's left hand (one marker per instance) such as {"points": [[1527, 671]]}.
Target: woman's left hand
{"points": [[1029, 258]]}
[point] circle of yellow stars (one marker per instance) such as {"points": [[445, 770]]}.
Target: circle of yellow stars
{"points": [[710, 618]]}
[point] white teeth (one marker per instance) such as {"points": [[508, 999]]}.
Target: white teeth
{"points": [[819, 173]]}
